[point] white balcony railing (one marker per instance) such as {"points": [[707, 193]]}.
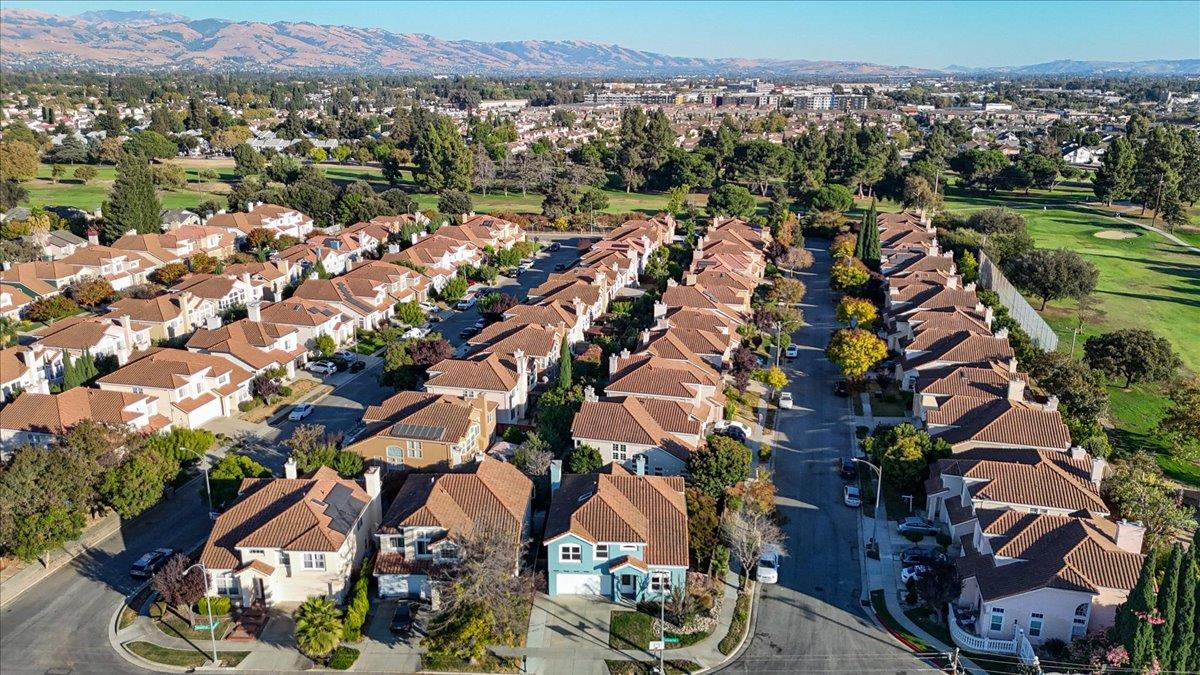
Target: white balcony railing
{"points": [[1019, 646]]}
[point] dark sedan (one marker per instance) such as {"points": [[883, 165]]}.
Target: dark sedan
{"points": [[403, 620], [145, 566]]}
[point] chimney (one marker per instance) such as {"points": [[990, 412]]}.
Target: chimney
{"points": [[1016, 389], [639, 464], [644, 337], [372, 481], [589, 394], [612, 363], [689, 279], [660, 309], [1076, 452], [1130, 535], [952, 281], [1098, 467], [1002, 334], [213, 323], [555, 475], [249, 207], [93, 236], [289, 468], [970, 287], [185, 311], [671, 283], [246, 280], [522, 364], [127, 330], [1051, 403], [254, 311]]}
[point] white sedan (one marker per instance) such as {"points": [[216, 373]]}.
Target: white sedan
{"points": [[785, 400], [791, 352], [322, 368], [300, 412]]}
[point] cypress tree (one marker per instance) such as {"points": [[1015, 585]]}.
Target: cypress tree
{"points": [[132, 204], [1167, 601], [564, 365], [71, 377], [1141, 599], [872, 253], [87, 366], [860, 242], [1185, 613], [1141, 651]]}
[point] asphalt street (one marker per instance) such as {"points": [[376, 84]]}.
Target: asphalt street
{"points": [[60, 625], [812, 620]]}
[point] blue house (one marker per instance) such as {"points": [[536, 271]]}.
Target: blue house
{"points": [[616, 535]]}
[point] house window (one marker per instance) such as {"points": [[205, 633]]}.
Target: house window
{"points": [[227, 585], [570, 553], [449, 552], [660, 582], [395, 455], [997, 619], [257, 551], [285, 559], [1080, 622], [620, 452], [601, 551], [415, 453], [422, 545], [1035, 624], [313, 561], [414, 445]]}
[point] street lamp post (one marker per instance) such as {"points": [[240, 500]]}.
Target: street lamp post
{"points": [[207, 486], [212, 627], [878, 491]]}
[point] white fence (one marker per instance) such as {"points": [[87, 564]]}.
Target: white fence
{"points": [[991, 278], [1019, 646]]}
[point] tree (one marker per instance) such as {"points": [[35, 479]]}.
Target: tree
{"points": [[774, 378], [1053, 274], [564, 365], [151, 145], [85, 173], [247, 161], [1137, 354], [796, 258], [325, 345], [137, 483], [443, 161], [203, 263], [18, 160], [903, 452], [719, 463], [584, 459], [132, 204], [1081, 393], [429, 350], [176, 586], [749, 532], [11, 193], [410, 313], [703, 527], [848, 274], [832, 198], [1168, 600], [938, 587], [1137, 488], [455, 202], [50, 308], [856, 312], [1133, 630], [454, 290], [855, 351], [786, 291], [533, 457], [1185, 612], [968, 267], [57, 171], [919, 194], [71, 151], [226, 477], [265, 387], [980, 167], [1182, 418], [89, 291], [731, 200], [318, 626]]}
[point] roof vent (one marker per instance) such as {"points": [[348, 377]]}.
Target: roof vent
{"points": [[585, 496]]}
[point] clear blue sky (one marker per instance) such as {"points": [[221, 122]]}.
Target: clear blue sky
{"points": [[924, 34]]}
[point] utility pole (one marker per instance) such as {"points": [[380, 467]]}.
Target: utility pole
{"points": [[954, 661], [1162, 177]]}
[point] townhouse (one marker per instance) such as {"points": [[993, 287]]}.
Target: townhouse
{"points": [[179, 244], [422, 430], [404, 284], [616, 535], [503, 380], [483, 231], [273, 275], [30, 368], [99, 336], [311, 319], [192, 388], [364, 300], [287, 539], [40, 419], [688, 382], [253, 344], [434, 512], [541, 344], [280, 220], [654, 434], [439, 257], [574, 317], [166, 316], [225, 290], [13, 300]]}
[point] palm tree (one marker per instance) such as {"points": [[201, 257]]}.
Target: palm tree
{"points": [[318, 626]]}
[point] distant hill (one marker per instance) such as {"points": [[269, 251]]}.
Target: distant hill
{"points": [[151, 40], [158, 41]]}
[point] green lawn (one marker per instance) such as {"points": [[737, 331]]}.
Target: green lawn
{"points": [[182, 658], [43, 191]]}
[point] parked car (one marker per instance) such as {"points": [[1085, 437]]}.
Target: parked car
{"points": [[734, 429], [767, 571], [145, 566], [558, 267], [792, 351], [913, 573], [403, 620], [919, 555], [346, 355], [466, 303], [841, 389], [358, 366], [415, 332], [467, 332], [300, 412], [848, 468], [428, 306], [480, 324], [785, 400], [554, 246], [851, 496], [918, 525], [322, 367], [352, 435]]}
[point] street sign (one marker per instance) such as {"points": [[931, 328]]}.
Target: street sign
{"points": [[671, 640], [206, 626], [657, 645]]}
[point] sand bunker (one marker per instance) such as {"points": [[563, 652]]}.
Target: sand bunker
{"points": [[1115, 234]]}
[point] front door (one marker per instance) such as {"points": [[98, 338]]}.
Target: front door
{"points": [[628, 584], [260, 593]]}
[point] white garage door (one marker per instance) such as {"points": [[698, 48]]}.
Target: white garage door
{"points": [[578, 584]]}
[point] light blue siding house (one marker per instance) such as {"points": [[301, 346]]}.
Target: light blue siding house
{"points": [[616, 535]]}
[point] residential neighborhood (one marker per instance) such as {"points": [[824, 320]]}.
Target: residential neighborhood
{"points": [[385, 337]]}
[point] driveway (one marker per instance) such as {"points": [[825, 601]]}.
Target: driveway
{"points": [[813, 619], [569, 634]]}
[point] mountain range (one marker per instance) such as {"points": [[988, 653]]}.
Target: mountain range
{"points": [[132, 40]]}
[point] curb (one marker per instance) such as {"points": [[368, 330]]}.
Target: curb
{"points": [[751, 626]]}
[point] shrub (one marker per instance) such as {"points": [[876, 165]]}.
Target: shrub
{"points": [[358, 603], [285, 391], [247, 406], [220, 606], [764, 453], [943, 539], [914, 537], [343, 658], [910, 596]]}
